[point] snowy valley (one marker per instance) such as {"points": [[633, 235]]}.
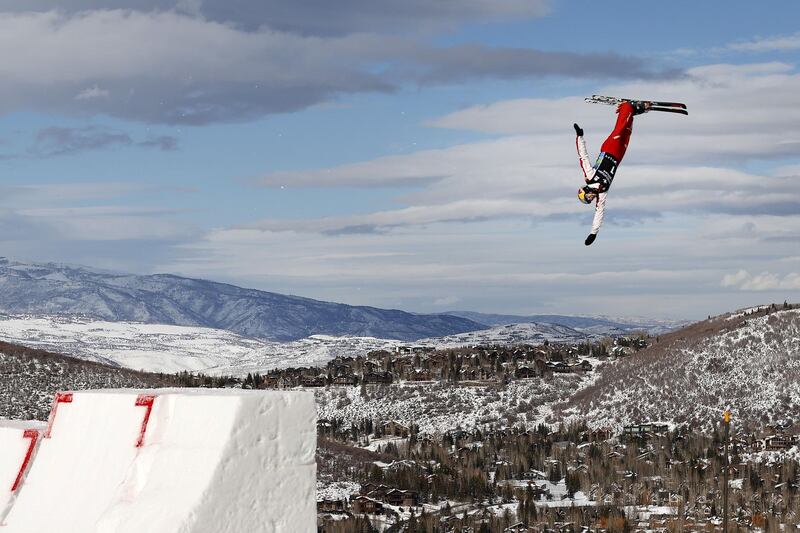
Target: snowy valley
{"points": [[169, 348]]}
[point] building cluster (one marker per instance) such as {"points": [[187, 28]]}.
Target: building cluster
{"points": [[646, 476], [372, 499], [476, 365]]}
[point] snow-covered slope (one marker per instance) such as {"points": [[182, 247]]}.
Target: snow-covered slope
{"points": [[439, 407], [30, 377], [527, 333], [56, 289], [750, 364], [748, 361], [166, 348]]}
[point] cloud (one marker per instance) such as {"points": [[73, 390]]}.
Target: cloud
{"points": [[468, 62], [88, 212], [110, 222], [311, 17], [173, 68], [92, 93], [17, 227], [689, 165], [730, 106], [46, 194], [445, 301], [57, 141], [501, 264], [496, 220], [506, 179], [779, 43], [162, 142], [765, 281], [473, 210], [176, 67]]}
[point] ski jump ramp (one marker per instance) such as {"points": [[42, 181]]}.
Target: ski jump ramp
{"points": [[18, 441], [163, 461]]}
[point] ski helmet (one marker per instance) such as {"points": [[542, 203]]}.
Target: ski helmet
{"points": [[586, 194]]}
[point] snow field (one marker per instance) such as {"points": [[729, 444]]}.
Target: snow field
{"points": [[210, 461], [166, 348]]}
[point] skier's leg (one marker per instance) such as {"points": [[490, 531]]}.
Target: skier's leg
{"points": [[617, 142]]}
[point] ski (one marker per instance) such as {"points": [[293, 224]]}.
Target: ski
{"points": [[655, 105], [669, 110]]}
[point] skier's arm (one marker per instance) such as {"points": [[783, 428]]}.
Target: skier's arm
{"points": [[599, 213], [586, 165]]}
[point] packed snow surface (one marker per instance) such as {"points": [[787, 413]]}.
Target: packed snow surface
{"points": [[209, 462], [14, 446]]}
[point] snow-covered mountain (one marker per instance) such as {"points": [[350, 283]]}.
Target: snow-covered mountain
{"points": [[748, 361], [168, 348], [56, 289], [599, 325]]}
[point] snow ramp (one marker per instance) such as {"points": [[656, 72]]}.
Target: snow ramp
{"points": [[171, 460], [18, 441]]}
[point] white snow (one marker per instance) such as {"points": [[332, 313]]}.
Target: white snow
{"points": [[749, 368], [212, 461], [523, 333], [14, 447], [438, 407], [376, 444], [169, 349], [645, 512], [336, 490]]}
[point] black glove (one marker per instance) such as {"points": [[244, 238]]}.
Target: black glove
{"points": [[590, 239], [578, 130]]}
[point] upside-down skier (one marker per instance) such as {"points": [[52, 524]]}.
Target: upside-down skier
{"points": [[599, 176]]}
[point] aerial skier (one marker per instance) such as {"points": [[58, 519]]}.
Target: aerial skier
{"points": [[598, 177]]}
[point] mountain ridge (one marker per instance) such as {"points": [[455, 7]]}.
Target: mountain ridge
{"points": [[747, 361], [60, 289], [578, 322]]}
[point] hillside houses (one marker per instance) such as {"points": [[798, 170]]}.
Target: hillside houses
{"points": [[576, 476], [644, 430], [471, 365]]}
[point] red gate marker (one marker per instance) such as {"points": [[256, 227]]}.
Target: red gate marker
{"points": [[144, 400], [61, 397], [34, 436]]}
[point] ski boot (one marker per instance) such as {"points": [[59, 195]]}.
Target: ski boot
{"points": [[640, 107]]}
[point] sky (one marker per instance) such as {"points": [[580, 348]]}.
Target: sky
{"points": [[405, 153]]}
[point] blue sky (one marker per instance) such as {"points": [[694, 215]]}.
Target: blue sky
{"points": [[409, 154]]}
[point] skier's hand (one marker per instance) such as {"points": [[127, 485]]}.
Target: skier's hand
{"points": [[578, 130], [590, 239]]}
